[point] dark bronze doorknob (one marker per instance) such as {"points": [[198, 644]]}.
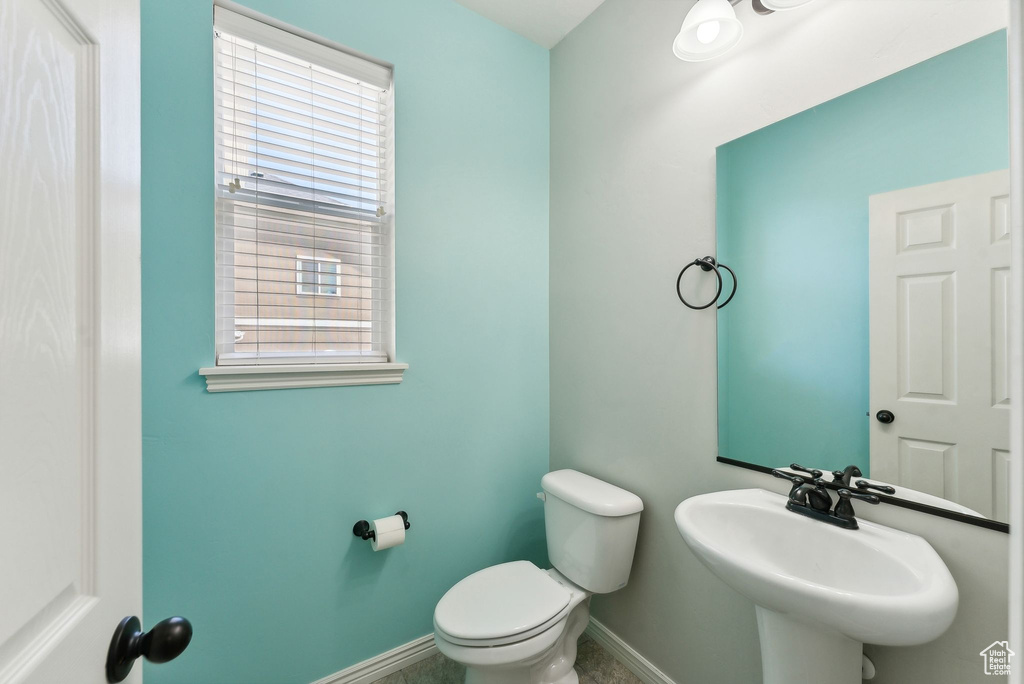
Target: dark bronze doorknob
{"points": [[164, 642], [886, 417]]}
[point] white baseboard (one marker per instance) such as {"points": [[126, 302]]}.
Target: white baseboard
{"points": [[381, 666], [626, 655], [405, 655]]}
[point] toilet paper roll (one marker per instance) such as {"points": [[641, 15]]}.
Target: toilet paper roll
{"points": [[387, 532]]}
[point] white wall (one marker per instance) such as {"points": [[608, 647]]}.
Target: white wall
{"points": [[633, 372]]}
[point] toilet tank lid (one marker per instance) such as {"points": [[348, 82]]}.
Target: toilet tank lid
{"points": [[590, 494]]}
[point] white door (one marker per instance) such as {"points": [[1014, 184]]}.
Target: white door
{"points": [[939, 283], [70, 435]]}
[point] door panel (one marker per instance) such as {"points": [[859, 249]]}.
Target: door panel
{"points": [[69, 335], [1001, 338], [928, 466], [45, 328], [927, 337]]}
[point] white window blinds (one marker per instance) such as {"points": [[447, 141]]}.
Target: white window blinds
{"points": [[304, 183]]}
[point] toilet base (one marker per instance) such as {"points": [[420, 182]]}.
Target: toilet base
{"points": [[477, 676], [554, 665]]}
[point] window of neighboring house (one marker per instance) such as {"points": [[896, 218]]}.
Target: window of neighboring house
{"points": [[305, 197], [317, 276]]}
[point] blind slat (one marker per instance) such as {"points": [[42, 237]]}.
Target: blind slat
{"points": [[357, 168], [304, 200], [243, 61], [276, 167], [277, 222], [288, 183], [243, 124], [257, 92]]}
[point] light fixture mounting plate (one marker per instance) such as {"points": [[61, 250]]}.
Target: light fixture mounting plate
{"points": [[757, 5]]}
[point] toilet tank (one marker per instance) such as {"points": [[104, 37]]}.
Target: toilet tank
{"points": [[591, 529]]}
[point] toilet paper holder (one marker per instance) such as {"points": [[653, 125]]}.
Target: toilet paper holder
{"points": [[362, 528]]}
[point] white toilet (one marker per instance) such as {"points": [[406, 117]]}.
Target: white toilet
{"points": [[515, 623]]}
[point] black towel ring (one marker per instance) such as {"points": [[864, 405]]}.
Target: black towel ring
{"points": [[735, 284], [706, 264]]}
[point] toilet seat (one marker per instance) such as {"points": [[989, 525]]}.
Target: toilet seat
{"points": [[502, 604]]}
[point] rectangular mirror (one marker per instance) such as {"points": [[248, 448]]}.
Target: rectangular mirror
{"points": [[870, 239]]}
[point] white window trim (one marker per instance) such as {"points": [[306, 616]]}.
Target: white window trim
{"points": [[240, 378], [244, 378]]}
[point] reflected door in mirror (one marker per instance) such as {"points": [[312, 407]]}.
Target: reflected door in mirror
{"points": [[939, 273]]}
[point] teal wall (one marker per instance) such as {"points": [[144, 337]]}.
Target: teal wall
{"points": [[793, 223], [250, 497]]}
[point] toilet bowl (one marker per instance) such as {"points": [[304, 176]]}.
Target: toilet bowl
{"points": [[512, 624], [515, 623]]}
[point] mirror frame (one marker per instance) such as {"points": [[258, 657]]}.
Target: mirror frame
{"points": [[1015, 55], [987, 523]]}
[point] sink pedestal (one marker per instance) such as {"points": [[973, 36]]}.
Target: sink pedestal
{"points": [[798, 652]]}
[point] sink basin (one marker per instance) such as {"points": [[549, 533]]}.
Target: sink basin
{"points": [[819, 589]]}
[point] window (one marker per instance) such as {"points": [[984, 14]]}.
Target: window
{"points": [[317, 276], [305, 197]]}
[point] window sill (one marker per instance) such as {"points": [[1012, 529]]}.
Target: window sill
{"points": [[245, 378]]}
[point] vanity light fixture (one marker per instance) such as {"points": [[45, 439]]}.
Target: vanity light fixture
{"points": [[711, 28], [783, 5]]}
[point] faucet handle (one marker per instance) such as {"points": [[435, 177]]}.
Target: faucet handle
{"points": [[797, 480], [792, 477], [884, 489], [844, 507], [815, 474], [845, 495]]}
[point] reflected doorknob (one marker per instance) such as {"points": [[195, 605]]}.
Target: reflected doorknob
{"points": [[164, 642], [886, 417]]}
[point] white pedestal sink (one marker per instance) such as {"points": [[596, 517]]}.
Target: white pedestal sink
{"points": [[821, 591]]}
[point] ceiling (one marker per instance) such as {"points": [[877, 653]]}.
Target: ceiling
{"points": [[545, 22]]}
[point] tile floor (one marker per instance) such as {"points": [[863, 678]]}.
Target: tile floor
{"points": [[593, 664]]}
